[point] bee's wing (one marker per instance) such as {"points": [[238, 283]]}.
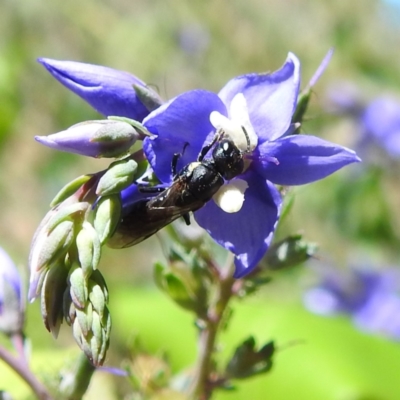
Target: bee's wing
{"points": [[149, 216]]}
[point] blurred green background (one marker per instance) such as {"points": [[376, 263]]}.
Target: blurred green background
{"points": [[177, 45]]}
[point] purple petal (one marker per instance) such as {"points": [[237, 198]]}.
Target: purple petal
{"points": [[302, 159], [271, 98], [9, 274], [322, 301], [113, 370], [131, 195], [185, 119], [107, 90], [247, 233], [381, 314], [321, 69]]}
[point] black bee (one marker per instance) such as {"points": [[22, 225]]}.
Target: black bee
{"points": [[193, 186]]}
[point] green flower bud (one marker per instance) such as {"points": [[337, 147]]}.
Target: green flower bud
{"points": [[97, 298], [52, 296], [67, 212], [91, 323], [47, 250], [79, 289], [89, 248], [56, 244], [69, 189], [107, 217], [84, 318], [119, 176]]}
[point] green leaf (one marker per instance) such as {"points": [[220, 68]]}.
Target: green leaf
{"points": [[178, 291], [247, 361], [289, 252]]}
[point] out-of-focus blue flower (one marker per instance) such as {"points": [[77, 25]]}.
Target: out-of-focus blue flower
{"points": [[194, 39], [371, 298], [263, 104], [381, 124], [108, 91], [11, 305], [103, 138], [378, 120]]}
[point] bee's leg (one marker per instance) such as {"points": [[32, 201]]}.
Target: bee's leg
{"points": [[186, 218], [175, 159], [218, 136], [150, 189]]}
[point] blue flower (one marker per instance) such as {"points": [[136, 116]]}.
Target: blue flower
{"points": [[108, 91], [263, 104], [11, 305], [249, 205], [371, 298]]}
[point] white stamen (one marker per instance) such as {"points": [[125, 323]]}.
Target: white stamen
{"points": [[240, 114], [230, 197], [229, 127], [234, 127]]}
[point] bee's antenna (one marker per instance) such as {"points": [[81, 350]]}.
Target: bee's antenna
{"points": [[247, 139]]}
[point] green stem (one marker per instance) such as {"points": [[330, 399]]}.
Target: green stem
{"points": [[20, 366], [202, 385], [76, 381]]}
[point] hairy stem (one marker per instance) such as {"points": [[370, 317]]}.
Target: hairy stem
{"points": [[202, 386], [21, 368], [76, 381]]}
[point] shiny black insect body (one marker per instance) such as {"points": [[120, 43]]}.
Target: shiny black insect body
{"points": [[193, 186]]}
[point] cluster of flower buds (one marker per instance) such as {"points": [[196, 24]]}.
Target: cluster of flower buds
{"points": [[66, 248]]}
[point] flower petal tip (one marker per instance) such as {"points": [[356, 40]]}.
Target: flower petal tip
{"points": [[292, 57]]}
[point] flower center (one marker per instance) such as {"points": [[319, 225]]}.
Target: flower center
{"points": [[238, 127]]}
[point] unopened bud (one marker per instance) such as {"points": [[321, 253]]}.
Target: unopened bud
{"points": [[102, 138], [119, 176], [89, 249], [91, 321], [69, 189], [79, 289], [52, 297], [107, 218]]}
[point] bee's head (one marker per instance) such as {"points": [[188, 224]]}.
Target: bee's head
{"points": [[228, 159]]}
